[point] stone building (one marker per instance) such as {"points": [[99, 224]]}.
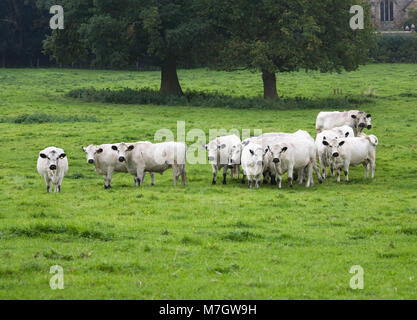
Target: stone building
{"points": [[391, 14]]}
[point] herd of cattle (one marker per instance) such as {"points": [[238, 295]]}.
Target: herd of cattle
{"points": [[340, 143]]}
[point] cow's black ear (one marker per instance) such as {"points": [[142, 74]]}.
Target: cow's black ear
{"points": [[284, 149], [114, 148], [325, 143], [341, 143], [368, 115], [100, 150], [346, 134], [62, 156], [251, 151], [353, 116], [42, 155], [131, 147]]}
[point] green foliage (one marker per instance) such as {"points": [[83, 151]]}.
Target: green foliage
{"points": [[282, 36], [47, 118], [395, 48], [208, 99]]}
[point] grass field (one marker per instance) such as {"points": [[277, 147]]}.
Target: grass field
{"points": [[203, 241]]}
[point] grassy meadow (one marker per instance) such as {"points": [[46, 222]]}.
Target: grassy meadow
{"points": [[203, 241]]}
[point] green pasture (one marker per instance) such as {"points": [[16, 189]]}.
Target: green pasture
{"points": [[203, 241]]}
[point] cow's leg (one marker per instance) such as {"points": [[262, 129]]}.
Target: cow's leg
{"points": [[309, 175], [214, 174], [372, 164], [338, 175], [243, 178], [140, 173], [237, 171], [48, 184], [108, 178], [266, 175], [367, 166], [250, 182], [257, 181], [302, 175], [316, 168], [290, 175], [175, 174], [346, 171], [279, 181], [224, 174], [273, 179], [183, 175], [323, 166]]}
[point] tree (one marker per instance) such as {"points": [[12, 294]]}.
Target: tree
{"points": [[287, 35], [118, 33]]}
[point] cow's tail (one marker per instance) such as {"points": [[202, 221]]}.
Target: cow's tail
{"points": [[373, 139]]}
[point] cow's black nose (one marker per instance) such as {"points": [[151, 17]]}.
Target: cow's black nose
{"points": [[369, 127], [336, 154], [362, 125], [210, 158], [90, 161], [122, 159], [276, 160], [52, 167]]}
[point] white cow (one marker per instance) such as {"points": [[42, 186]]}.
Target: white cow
{"points": [[294, 154], [220, 153], [352, 152], [52, 166], [323, 154], [268, 139], [149, 157], [252, 163], [357, 120]]}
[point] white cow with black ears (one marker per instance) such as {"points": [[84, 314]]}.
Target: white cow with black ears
{"points": [[52, 166], [219, 155], [357, 120], [352, 152]]}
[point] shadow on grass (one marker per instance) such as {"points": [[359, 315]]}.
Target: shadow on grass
{"points": [[147, 96]]}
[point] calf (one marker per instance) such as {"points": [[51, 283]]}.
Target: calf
{"points": [[220, 152], [52, 166], [323, 153], [148, 157], [357, 120], [352, 152], [252, 163]]}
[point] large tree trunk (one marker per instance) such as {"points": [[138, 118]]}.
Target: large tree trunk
{"points": [[270, 85], [169, 78]]}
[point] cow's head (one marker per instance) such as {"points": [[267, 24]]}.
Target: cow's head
{"points": [[214, 149], [235, 155], [362, 120], [257, 154], [334, 146], [52, 157], [91, 152], [124, 150], [277, 151]]}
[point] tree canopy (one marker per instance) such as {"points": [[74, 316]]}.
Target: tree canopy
{"points": [[287, 35]]}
